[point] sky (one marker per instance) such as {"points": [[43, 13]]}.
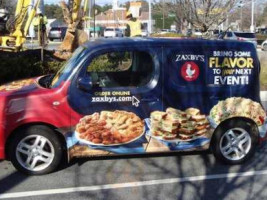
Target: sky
{"points": [[99, 2]]}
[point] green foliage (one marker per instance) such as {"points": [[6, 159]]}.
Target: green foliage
{"points": [[168, 21], [51, 67], [168, 35], [260, 38], [263, 75], [53, 11], [111, 62], [101, 9], [15, 66], [102, 63], [18, 68]]}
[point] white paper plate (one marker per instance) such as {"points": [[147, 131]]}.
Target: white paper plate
{"points": [[106, 145]]}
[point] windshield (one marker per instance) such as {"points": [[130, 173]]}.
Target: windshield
{"points": [[65, 71], [245, 35], [55, 29]]}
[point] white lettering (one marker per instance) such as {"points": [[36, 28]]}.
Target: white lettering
{"points": [[189, 57], [231, 80]]}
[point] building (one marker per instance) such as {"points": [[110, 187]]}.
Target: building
{"points": [[116, 17]]}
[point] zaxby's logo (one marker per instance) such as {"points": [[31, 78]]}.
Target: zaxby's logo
{"points": [[190, 71]]}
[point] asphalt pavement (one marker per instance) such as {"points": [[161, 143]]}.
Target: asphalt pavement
{"points": [[175, 176], [161, 176], [52, 45]]}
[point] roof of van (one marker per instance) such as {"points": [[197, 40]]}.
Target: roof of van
{"points": [[163, 41]]}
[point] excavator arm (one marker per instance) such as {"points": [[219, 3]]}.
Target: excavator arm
{"points": [[73, 15], [19, 26]]}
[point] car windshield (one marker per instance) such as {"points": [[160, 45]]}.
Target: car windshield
{"points": [[65, 71], [55, 29], [245, 35], [109, 29]]}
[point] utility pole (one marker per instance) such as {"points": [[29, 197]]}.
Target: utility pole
{"points": [[241, 18], [94, 17], [252, 27], [88, 21], [163, 14], [150, 17], [240, 5]]}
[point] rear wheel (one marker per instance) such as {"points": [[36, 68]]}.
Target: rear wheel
{"points": [[235, 141], [36, 150]]}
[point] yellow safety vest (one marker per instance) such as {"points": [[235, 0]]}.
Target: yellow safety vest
{"points": [[135, 28], [38, 19]]}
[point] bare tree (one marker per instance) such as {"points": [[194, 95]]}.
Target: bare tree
{"points": [[202, 14]]}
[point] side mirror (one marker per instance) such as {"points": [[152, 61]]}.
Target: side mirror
{"points": [[85, 84]]}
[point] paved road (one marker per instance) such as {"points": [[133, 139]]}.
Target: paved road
{"points": [[261, 53], [137, 171], [51, 45]]}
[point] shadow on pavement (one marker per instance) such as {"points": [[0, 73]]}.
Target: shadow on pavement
{"points": [[11, 181], [184, 165], [122, 169]]}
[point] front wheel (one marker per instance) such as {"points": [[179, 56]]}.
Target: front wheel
{"points": [[36, 150], [235, 141]]}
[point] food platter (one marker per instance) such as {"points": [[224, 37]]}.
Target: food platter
{"points": [[87, 142], [109, 128], [237, 107], [176, 139], [175, 125]]}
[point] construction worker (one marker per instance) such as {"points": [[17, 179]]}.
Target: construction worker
{"points": [[39, 23], [134, 26]]}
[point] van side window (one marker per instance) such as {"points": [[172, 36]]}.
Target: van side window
{"points": [[229, 34], [121, 69]]}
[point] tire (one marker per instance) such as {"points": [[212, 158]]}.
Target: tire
{"points": [[51, 39], [265, 47], [235, 141], [36, 150]]}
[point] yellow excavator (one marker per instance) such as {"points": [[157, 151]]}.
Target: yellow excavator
{"points": [[18, 27], [74, 16]]}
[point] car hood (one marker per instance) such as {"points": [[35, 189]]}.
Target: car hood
{"points": [[20, 86]]}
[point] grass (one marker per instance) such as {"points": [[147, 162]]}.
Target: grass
{"points": [[263, 75]]}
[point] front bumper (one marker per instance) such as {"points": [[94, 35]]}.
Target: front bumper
{"points": [[2, 141], [54, 36]]}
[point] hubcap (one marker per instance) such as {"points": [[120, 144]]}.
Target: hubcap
{"points": [[235, 144], [35, 153]]}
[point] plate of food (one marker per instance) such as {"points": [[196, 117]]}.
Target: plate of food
{"points": [[178, 126], [109, 128], [237, 107]]}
